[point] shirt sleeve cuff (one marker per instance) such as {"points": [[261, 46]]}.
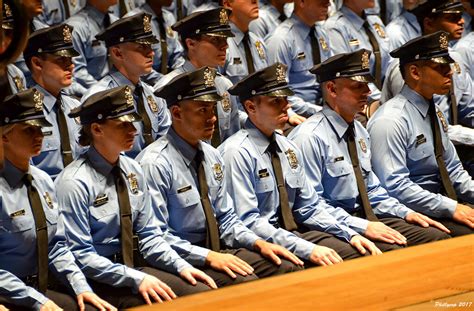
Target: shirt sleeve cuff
{"points": [[137, 277], [358, 224], [449, 206]]}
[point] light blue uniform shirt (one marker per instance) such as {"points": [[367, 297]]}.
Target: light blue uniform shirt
{"points": [[54, 12], [347, 33], [290, 44], [403, 156], [174, 48], [253, 187], [174, 188], [18, 254], [465, 48], [160, 119], [50, 159], [235, 67], [89, 206], [322, 141], [267, 21], [91, 65], [227, 109], [402, 29]]}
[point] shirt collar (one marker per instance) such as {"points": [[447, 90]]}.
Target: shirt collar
{"points": [[99, 163], [301, 27], [356, 20], [418, 101], [238, 34], [119, 77], [258, 138], [188, 66], [12, 174], [187, 151], [337, 122]]}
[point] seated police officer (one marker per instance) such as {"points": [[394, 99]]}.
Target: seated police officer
{"points": [[104, 201], [31, 242], [267, 180], [337, 152], [189, 194], [412, 154], [129, 41], [48, 55]]}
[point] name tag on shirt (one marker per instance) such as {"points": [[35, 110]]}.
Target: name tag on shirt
{"points": [[354, 42], [48, 133], [101, 200], [263, 173], [338, 159], [184, 189], [18, 213], [420, 139], [300, 56], [237, 61], [95, 43]]}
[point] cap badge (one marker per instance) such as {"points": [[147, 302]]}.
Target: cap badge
{"points": [[443, 41], [380, 31], [152, 104], [324, 44], [223, 18], [365, 60], [67, 34], [8, 10], [129, 96], [146, 23], [132, 179], [280, 74], [292, 159], [225, 102], [260, 51], [218, 175], [38, 100], [362, 145], [208, 78]]}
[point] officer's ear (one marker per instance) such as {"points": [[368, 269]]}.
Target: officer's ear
{"points": [[414, 71], [36, 63], [175, 111], [430, 25], [115, 52], [96, 130], [190, 43], [227, 3], [250, 106], [330, 88]]}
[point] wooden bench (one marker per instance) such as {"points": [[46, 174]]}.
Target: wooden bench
{"points": [[393, 280]]}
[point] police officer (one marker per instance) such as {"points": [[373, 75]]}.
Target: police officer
{"points": [[412, 154], [58, 11], [247, 52], [300, 44], [168, 51], [105, 201], [351, 29], [204, 36], [187, 179], [270, 15], [336, 155], [404, 27], [91, 65], [32, 239], [130, 41], [268, 184], [48, 55]]}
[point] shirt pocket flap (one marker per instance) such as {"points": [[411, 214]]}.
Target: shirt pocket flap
{"points": [[264, 185], [187, 198], [340, 168], [420, 152]]}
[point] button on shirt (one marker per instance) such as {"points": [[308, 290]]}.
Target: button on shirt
{"points": [[403, 156], [89, 205], [347, 33], [402, 29], [235, 67], [323, 143], [173, 184], [160, 119], [290, 44], [175, 50], [227, 109], [251, 183], [91, 65], [18, 255], [50, 159]]}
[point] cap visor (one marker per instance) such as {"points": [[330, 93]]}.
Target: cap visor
{"points": [[41, 122], [147, 40], [129, 117], [212, 97], [279, 93], [65, 53], [220, 33], [443, 60], [362, 78]]}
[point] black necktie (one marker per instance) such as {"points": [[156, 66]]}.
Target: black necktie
{"points": [[212, 229], [67, 12], [453, 107], [164, 45], [122, 8], [248, 53], [126, 230], [216, 136], [367, 208], [383, 11], [314, 46], [179, 9], [146, 133], [439, 150], [106, 21], [378, 58], [41, 232], [282, 17], [64, 134], [287, 220]]}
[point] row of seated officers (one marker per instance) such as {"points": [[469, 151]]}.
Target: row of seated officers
{"points": [[143, 208]]}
